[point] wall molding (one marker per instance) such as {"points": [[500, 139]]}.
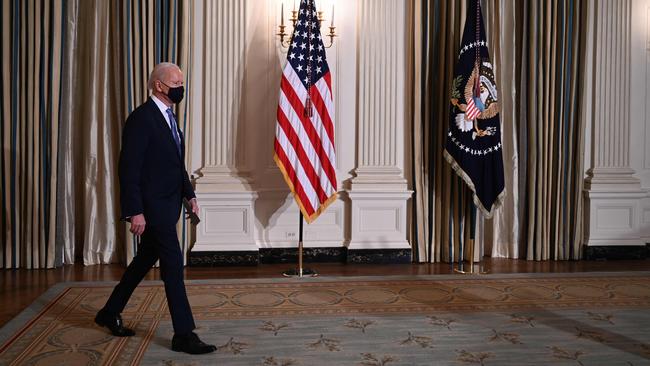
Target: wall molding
{"points": [[613, 192], [646, 90], [289, 256], [236, 70], [616, 252]]}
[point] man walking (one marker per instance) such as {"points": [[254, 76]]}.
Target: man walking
{"points": [[153, 183]]}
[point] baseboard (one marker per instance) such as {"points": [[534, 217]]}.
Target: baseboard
{"points": [[379, 256], [613, 252], [309, 255], [290, 256], [223, 259]]}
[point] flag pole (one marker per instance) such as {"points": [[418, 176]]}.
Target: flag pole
{"points": [[472, 235], [461, 258], [470, 251], [300, 271], [475, 114]]}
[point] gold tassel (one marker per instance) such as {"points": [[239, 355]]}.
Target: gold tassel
{"points": [[308, 110]]}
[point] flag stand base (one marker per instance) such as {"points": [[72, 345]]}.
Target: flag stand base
{"points": [[296, 272], [472, 265], [300, 271], [474, 269]]}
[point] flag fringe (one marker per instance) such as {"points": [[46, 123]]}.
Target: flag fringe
{"points": [[461, 173], [309, 218]]}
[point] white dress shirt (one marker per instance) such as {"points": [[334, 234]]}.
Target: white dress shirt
{"points": [[163, 109]]}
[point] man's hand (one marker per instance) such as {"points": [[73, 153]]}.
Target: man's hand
{"points": [[191, 210], [195, 206], [137, 224]]}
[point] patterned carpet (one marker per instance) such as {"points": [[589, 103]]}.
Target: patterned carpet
{"points": [[534, 319]]}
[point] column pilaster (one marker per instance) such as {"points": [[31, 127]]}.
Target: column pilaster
{"points": [[223, 186], [612, 191], [379, 192]]}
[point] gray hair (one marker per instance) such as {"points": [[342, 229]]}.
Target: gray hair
{"points": [[158, 72]]}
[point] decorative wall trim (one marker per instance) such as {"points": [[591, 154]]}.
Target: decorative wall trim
{"points": [[222, 220], [223, 259], [612, 77], [289, 256], [378, 220], [224, 54], [613, 193], [614, 218], [309, 255], [646, 164], [379, 256], [226, 221], [278, 223], [381, 84], [606, 252], [381, 89]]}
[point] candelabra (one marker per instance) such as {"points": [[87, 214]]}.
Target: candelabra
{"points": [[285, 36]]}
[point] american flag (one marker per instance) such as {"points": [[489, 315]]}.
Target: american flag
{"points": [[472, 110], [304, 135]]}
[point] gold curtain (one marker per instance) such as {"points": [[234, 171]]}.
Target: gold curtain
{"points": [[30, 89], [552, 134], [90, 134], [441, 201], [501, 236], [536, 48], [72, 71], [114, 47]]}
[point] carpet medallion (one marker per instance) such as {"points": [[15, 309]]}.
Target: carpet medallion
{"points": [[534, 319]]}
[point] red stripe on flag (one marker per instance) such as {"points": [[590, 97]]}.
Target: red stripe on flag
{"points": [[298, 106], [291, 175], [472, 111], [330, 126], [328, 80], [306, 164], [320, 106]]}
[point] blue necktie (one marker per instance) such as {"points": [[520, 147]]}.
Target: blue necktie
{"points": [[172, 122]]}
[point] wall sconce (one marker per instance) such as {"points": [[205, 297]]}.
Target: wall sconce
{"points": [[286, 34]]}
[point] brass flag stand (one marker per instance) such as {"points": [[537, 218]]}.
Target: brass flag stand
{"points": [[300, 271], [472, 235], [476, 92]]}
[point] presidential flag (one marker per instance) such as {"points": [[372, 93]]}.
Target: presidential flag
{"points": [[473, 145], [304, 134]]}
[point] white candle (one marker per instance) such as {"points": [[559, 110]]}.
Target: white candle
{"points": [[332, 15], [282, 14]]}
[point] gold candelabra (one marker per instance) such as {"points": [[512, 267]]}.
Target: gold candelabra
{"points": [[285, 37]]}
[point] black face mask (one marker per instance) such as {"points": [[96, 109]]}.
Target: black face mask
{"points": [[175, 94]]}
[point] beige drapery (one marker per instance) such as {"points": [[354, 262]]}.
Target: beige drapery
{"points": [[30, 47], [78, 67], [90, 132], [114, 47], [536, 48]]}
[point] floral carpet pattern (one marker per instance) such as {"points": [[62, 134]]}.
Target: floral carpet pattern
{"points": [[524, 319]]}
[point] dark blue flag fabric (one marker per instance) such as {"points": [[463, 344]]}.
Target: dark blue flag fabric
{"points": [[473, 145]]}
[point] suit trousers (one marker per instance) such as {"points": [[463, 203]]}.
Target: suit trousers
{"points": [[157, 243]]}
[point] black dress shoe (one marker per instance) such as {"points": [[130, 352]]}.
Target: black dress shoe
{"points": [[113, 323], [191, 344]]}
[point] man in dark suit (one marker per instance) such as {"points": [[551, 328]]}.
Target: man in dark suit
{"points": [[153, 183]]}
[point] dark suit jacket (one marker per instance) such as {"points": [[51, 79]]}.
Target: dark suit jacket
{"points": [[153, 178]]}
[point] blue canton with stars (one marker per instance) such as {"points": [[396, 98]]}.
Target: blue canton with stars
{"points": [[307, 52]]}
